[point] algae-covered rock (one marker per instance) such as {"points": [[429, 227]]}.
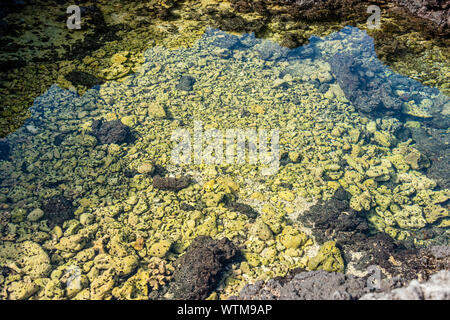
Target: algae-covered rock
{"points": [[328, 258], [410, 217], [126, 265], [102, 285], [262, 231], [26, 257], [156, 110], [21, 290], [146, 168], [361, 202]]}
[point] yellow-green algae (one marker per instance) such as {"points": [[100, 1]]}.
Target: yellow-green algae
{"points": [[123, 224]]}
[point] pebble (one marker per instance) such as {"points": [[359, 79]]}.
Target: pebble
{"points": [[35, 215]]}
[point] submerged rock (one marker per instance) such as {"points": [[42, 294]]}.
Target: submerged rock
{"points": [[436, 11], [312, 285], [82, 78], [57, 209], [334, 219], [27, 258], [367, 94], [111, 131], [171, 184], [4, 150], [322, 285], [199, 270], [186, 83]]}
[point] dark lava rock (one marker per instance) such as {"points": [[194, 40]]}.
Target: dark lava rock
{"points": [[169, 183], [243, 209], [366, 94], [268, 50], [436, 288], [57, 209], [199, 270], [186, 83], [312, 285], [335, 220], [111, 131], [4, 150], [83, 79]]}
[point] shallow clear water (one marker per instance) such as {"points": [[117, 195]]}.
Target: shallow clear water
{"points": [[339, 113]]}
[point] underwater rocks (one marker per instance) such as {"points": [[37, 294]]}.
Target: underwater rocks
{"points": [[113, 131], [437, 288], [29, 258], [4, 150], [57, 209], [243, 209], [335, 219], [304, 285], [186, 83], [309, 10], [170, 183], [199, 270], [434, 143], [83, 79]]}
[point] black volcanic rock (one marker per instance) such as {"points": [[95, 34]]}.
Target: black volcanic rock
{"points": [[57, 209], [111, 131], [199, 270], [82, 78], [243, 208]]}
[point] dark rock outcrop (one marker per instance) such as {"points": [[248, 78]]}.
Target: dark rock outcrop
{"points": [[57, 209], [171, 184], [366, 94], [321, 285], [243, 208], [437, 288], [436, 11], [111, 131], [199, 270], [335, 220]]}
